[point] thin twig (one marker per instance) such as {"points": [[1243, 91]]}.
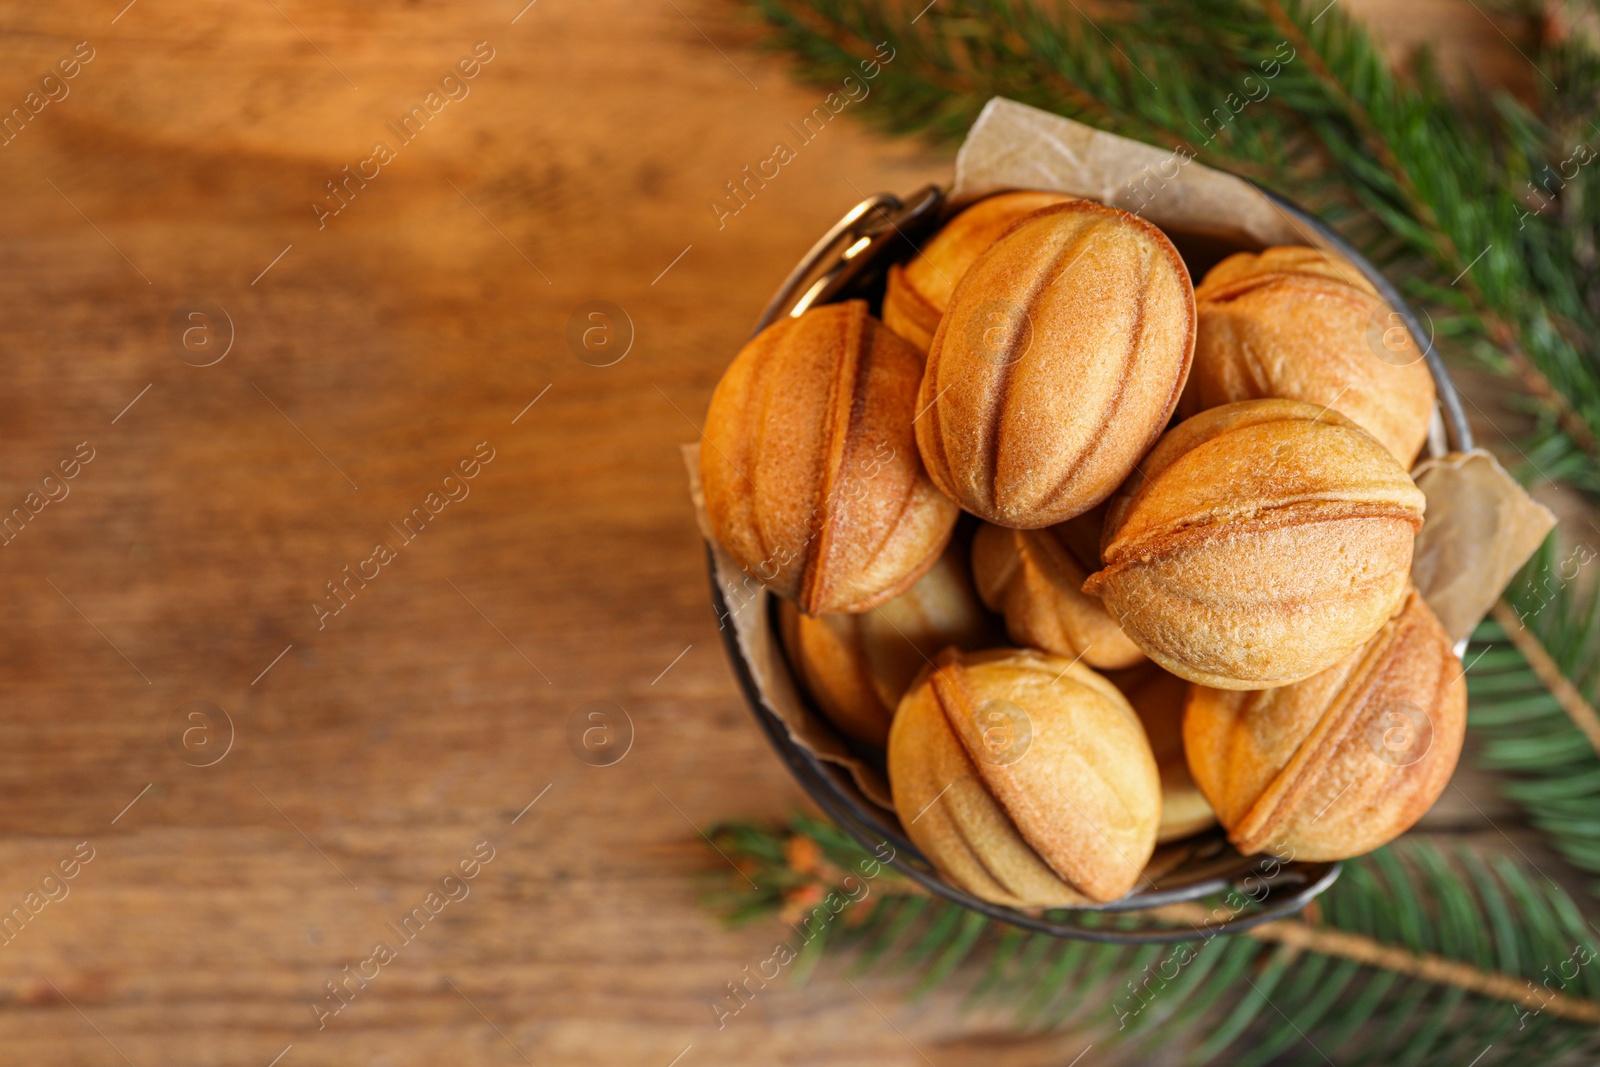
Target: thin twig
{"points": [[1424, 965], [1549, 673]]}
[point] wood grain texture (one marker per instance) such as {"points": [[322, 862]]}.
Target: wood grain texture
{"points": [[367, 361]]}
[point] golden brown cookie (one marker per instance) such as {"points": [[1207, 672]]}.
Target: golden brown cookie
{"points": [[1303, 324], [1344, 761], [1025, 778], [1259, 544], [1159, 697], [1057, 366], [812, 480], [1035, 579]]}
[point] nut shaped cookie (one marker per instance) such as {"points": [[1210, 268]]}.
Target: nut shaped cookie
{"points": [[1035, 579], [1260, 543], [1303, 324], [812, 480], [1025, 778], [1344, 761], [1056, 367]]}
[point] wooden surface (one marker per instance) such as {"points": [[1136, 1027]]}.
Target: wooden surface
{"points": [[368, 360]]}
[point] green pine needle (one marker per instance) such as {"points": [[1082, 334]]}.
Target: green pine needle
{"points": [[1529, 957], [1552, 768]]}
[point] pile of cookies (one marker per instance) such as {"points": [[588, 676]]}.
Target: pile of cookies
{"points": [[1099, 557]]}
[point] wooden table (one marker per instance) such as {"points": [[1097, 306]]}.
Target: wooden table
{"points": [[355, 758]]}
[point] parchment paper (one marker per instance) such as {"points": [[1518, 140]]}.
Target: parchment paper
{"points": [[1481, 527], [1014, 146]]}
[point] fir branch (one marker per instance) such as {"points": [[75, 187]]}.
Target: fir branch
{"points": [[1428, 966], [1418, 954], [1549, 673], [1531, 679]]}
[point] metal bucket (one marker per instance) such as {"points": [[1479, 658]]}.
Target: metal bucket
{"points": [[849, 261]]}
